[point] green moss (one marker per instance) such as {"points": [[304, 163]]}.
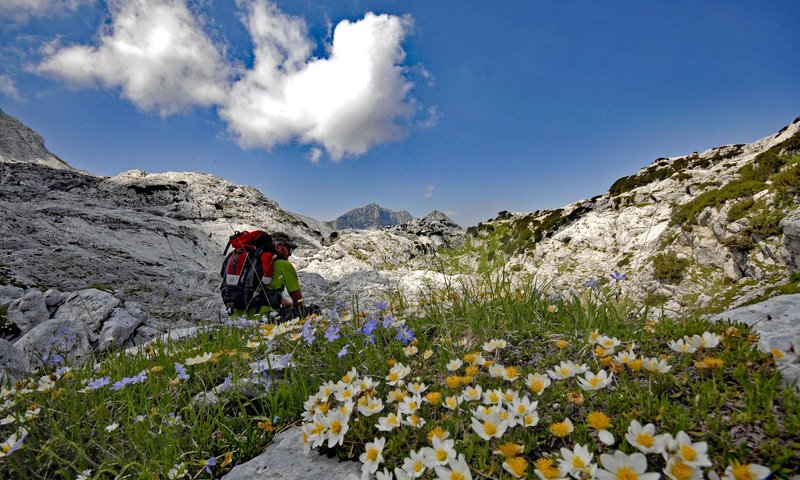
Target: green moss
{"points": [[740, 209], [669, 268], [102, 287]]}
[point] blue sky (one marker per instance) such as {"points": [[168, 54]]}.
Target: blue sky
{"points": [[470, 108]]}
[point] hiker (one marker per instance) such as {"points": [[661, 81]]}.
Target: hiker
{"points": [[255, 273], [285, 276]]}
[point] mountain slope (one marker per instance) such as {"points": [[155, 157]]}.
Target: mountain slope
{"points": [[704, 230], [19, 143], [371, 216]]}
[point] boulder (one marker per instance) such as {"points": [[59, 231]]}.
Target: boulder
{"points": [[12, 364], [90, 307], [53, 299], [28, 311], [117, 330], [9, 293], [284, 460], [67, 338]]}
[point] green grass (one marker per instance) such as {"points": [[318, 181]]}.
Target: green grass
{"points": [[740, 409]]}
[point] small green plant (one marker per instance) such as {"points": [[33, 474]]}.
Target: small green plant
{"points": [[669, 267]]}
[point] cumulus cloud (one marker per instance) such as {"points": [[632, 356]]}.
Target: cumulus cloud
{"points": [[429, 191], [23, 10], [157, 54], [9, 88], [352, 100], [155, 51]]}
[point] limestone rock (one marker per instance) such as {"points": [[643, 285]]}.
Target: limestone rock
{"points": [[28, 311], [19, 143], [53, 299], [90, 307], [9, 293], [67, 338], [284, 460], [117, 329], [12, 363], [370, 216]]}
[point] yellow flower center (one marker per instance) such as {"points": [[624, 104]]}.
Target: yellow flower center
{"points": [[509, 449], [392, 420], [453, 382], [418, 466], [536, 385], [471, 371], [599, 420], [441, 455], [742, 472], [645, 439], [563, 371], [521, 408], [594, 381], [372, 454], [560, 429], [681, 471], [511, 372], [490, 428], [545, 466], [347, 393], [518, 465], [688, 452], [562, 344], [577, 462], [456, 476], [627, 473], [5, 447], [336, 426], [494, 397], [392, 377], [777, 353]]}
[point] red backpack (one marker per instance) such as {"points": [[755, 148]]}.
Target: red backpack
{"points": [[247, 270]]}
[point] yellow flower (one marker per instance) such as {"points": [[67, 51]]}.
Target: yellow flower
{"points": [[228, 459], [267, 426], [709, 363], [433, 398], [156, 369], [546, 468], [552, 309], [470, 357], [453, 381], [439, 433], [472, 370], [427, 354], [509, 449], [562, 344], [635, 365], [562, 429], [465, 380], [516, 466], [391, 362], [575, 398], [598, 420], [245, 355]]}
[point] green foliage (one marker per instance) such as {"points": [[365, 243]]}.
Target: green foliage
{"points": [[740, 209], [686, 214], [788, 180], [669, 268], [765, 223]]}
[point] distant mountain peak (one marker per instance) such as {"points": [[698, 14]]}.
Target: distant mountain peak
{"points": [[20, 144], [371, 216]]}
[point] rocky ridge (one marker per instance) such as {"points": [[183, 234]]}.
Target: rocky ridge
{"points": [[706, 230], [370, 216], [19, 143]]}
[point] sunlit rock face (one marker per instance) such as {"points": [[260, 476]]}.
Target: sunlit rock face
{"points": [[20, 144]]}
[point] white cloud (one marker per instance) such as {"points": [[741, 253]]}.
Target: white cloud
{"points": [[429, 191], [23, 10], [157, 54], [155, 51], [347, 103], [9, 89]]}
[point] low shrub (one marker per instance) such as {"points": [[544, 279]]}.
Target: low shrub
{"points": [[669, 268]]}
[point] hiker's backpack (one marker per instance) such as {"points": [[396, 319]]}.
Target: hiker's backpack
{"points": [[247, 270]]}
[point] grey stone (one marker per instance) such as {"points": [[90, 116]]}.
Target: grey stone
{"points": [[284, 460], [70, 339], [91, 307], [777, 322], [13, 365], [53, 299], [28, 311], [117, 329], [9, 293]]}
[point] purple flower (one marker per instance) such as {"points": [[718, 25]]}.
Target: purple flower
{"points": [[405, 335], [370, 339], [182, 374], [97, 383], [225, 384], [53, 358], [211, 462], [332, 333], [342, 352], [592, 283], [308, 332], [388, 320], [616, 276], [380, 306], [139, 378], [369, 327]]}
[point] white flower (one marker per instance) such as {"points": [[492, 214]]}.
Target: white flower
{"points": [[178, 471], [409, 404], [576, 461], [371, 407], [198, 359], [410, 350], [414, 465], [677, 469], [710, 340], [388, 423], [607, 342], [417, 388], [336, 424], [372, 456], [537, 382], [566, 370], [624, 467], [652, 364], [452, 402], [496, 370], [397, 374], [454, 365], [85, 475], [592, 382], [644, 438], [778, 354], [490, 426], [472, 393], [414, 420], [112, 427], [522, 407], [750, 471], [456, 468], [692, 453], [682, 346], [494, 344], [493, 397], [442, 452]]}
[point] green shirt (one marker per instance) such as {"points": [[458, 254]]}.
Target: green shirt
{"points": [[284, 276]]}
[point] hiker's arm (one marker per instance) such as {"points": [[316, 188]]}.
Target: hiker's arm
{"points": [[297, 298]]}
